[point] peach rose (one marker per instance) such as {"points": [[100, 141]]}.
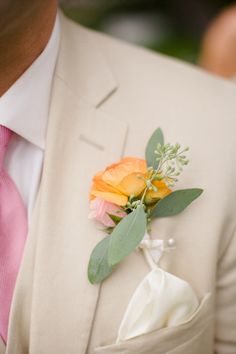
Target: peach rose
{"points": [[123, 179]]}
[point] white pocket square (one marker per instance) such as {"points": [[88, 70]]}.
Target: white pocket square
{"points": [[161, 300]]}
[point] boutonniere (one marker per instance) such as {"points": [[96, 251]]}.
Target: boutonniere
{"points": [[127, 195]]}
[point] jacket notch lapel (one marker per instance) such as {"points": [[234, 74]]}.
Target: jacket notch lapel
{"points": [[81, 141]]}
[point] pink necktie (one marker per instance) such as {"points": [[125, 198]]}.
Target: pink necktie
{"points": [[13, 232]]}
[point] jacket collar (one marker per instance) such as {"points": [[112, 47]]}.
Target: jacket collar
{"points": [[86, 71]]}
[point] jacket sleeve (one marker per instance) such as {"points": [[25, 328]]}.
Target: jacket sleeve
{"points": [[225, 331]]}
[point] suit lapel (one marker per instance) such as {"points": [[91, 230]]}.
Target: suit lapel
{"points": [[80, 143], [81, 140]]}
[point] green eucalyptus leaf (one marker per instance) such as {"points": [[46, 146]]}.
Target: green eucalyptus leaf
{"points": [[115, 218], [175, 202], [156, 138], [98, 268], [127, 235]]}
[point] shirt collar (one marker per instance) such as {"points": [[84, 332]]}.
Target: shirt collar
{"points": [[24, 107]]}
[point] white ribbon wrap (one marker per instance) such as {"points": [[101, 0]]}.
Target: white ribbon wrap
{"points": [[161, 299]]}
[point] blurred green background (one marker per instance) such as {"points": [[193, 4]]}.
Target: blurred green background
{"points": [[172, 27]]}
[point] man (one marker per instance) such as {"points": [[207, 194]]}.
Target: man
{"points": [[74, 101]]}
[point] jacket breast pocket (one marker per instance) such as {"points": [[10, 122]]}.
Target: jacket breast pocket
{"points": [[194, 336]]}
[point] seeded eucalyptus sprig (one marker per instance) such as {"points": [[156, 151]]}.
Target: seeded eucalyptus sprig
{"points": [[171, 160], [165, 163]]}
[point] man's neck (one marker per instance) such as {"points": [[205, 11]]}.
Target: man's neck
{"points": [[20, 48]]}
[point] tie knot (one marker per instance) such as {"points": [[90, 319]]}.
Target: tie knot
{"points": [[5, 136]]}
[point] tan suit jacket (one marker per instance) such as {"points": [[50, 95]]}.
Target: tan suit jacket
{"points": [[107, 99]]}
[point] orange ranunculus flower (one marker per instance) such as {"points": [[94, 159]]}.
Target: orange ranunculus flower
{"points": [[162, 191], [122, 179]]}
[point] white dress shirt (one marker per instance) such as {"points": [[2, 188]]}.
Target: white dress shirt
{"points": [[24, 109]]}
